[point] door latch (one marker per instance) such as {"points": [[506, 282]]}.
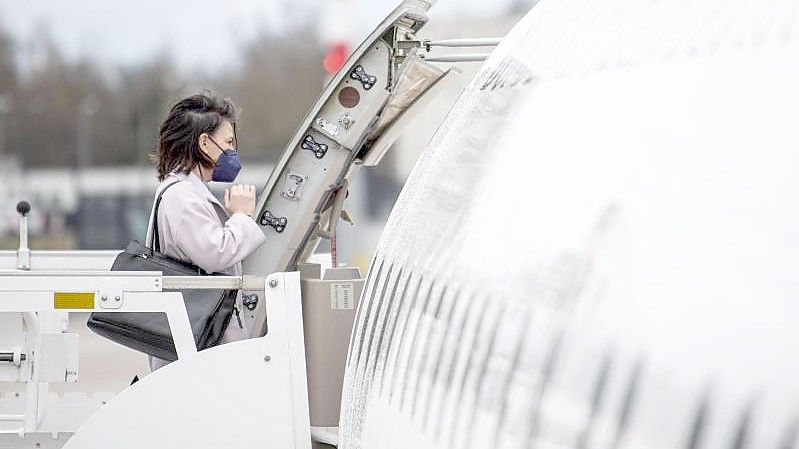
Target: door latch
{"points": [[294, 183]]}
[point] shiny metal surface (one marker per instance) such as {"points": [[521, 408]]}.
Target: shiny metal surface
{"points": [[598, 249]]}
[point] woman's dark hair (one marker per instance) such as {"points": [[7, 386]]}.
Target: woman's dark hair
{"points": [[179, 135]]}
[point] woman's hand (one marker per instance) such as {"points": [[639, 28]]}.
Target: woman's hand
{"points": [[240, 198]]}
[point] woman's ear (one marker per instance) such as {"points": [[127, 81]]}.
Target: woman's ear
{"points": [[203, 143]]}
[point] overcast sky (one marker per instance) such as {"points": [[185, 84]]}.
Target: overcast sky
{"points": [[195, 33]]}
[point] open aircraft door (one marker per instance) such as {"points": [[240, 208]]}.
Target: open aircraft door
{"points": [[362, 111]]}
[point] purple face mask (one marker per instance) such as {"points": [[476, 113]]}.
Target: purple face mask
{"points": [[227, 166]]}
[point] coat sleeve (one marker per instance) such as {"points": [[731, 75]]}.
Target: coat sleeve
{"points": [[214, 247]]}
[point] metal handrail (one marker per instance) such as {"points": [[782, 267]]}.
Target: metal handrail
{"points": [[246, 282], [464, 57], [469, 42]]}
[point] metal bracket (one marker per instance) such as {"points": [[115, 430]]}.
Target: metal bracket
{"points": [[294, 183], [327, 127], [278, 223], [367, 81], [346, 120], [249, 301], [319, 149], [110, 294]]}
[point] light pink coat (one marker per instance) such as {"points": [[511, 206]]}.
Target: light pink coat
{"points": [[195, 227]]}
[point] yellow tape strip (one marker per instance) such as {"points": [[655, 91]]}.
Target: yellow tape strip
{"points": [[73, 300]]}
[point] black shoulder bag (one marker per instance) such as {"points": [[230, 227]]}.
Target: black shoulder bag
{"points": [[209, 310]]}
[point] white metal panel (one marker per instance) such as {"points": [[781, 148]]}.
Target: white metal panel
{"points": [[171, 303], [109, 290], [245, 394], [58, 357], [62, 260]]}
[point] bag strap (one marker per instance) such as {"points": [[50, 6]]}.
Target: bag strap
{"points": [[156, 241]]}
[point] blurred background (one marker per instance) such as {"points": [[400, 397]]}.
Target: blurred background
{"points": [[84, 85]]}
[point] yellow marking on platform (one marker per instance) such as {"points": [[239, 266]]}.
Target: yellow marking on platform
{"points": [[73, 300]]}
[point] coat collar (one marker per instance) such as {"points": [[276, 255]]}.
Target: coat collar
{"points": [[199, 186]]}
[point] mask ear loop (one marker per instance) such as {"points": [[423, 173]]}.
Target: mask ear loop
{"points": [[203, 153], [217, 145]]}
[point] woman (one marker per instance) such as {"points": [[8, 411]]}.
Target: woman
{"points": [[196, 146]]}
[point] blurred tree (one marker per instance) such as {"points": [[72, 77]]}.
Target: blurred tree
{"points": [[71, 113], [8, 67], [280, 78], [146, 92], [46, 105], [8, 82]]}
